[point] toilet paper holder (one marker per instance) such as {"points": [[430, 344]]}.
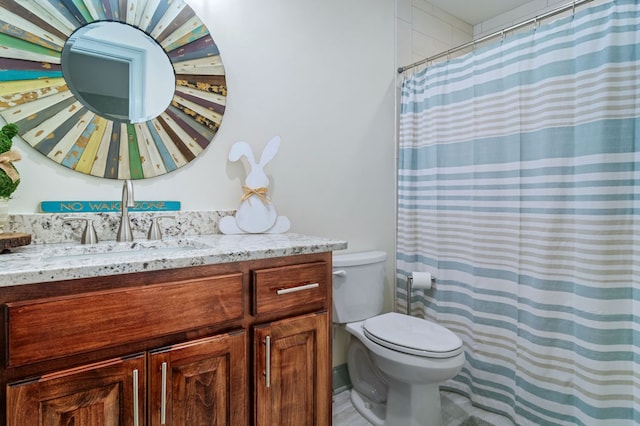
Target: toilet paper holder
{"points": [[425, 281]]}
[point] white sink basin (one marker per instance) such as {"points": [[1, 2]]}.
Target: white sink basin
{"points": [[111, 249]]}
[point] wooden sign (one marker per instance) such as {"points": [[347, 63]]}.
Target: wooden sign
{"points": [[106, 206]]}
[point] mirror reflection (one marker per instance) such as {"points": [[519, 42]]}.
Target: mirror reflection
{"points": [[118, 72]]}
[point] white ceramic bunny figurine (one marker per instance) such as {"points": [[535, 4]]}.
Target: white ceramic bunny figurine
{"points": [[256, 213]]}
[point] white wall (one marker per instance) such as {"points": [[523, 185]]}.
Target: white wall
{"points": [[422, 30], [320, 75]]}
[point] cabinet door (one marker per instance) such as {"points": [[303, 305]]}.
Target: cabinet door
{"points": [[292, 364], [202, 382], [110, 393]]}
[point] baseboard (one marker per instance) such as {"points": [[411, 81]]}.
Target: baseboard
{"points": [[341, 381]]}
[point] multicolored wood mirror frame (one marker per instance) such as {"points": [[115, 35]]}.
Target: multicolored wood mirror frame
{"points": [[35, 95]]}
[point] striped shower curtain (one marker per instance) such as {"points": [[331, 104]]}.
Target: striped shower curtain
{"points": [[518, 189]]}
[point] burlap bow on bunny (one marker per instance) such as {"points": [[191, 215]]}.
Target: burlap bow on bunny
{"points": [[261, 193], [6, 160]]}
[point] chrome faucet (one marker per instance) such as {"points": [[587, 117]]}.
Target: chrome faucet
{"points": [[124, 231]]}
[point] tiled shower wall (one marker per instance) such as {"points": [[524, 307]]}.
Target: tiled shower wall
{"points": [[423, 30], [526, 11]]}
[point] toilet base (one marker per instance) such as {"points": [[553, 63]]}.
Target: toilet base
{"points": [[374, 413], [407, 405]]}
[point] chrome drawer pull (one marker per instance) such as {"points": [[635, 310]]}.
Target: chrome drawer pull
{"points": [[267, 360], [299, 288], [163, 404], [135, 398]]}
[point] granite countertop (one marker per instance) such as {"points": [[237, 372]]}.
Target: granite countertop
{"points": [[52, 262]]}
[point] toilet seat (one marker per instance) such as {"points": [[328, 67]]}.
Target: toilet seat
{"points": [[412, 335]]}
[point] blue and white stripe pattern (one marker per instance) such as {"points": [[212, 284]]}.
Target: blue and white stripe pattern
{"points": [[518, 188]]}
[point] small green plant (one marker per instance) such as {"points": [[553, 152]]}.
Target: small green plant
{"points": [[9, 176]]}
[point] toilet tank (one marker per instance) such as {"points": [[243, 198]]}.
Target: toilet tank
{"points": [[358, 285]]}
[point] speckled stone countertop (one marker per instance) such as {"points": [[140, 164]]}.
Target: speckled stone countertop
{"points": [[61, 261]]}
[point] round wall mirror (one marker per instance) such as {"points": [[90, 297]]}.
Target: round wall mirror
{"points": [[118, 72], [115, 89]]}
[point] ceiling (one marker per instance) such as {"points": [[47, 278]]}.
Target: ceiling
{"points": [[476, 11]]}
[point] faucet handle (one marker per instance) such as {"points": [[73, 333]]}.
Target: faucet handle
{"points": [[89, 235], [154, 229]]}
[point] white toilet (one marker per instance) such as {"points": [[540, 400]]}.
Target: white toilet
{"points": [[396, 362]]}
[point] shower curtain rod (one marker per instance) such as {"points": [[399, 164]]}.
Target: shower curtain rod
{"points": [[561, 9]]}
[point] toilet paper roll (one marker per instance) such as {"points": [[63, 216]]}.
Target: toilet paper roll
{"points": [[421, 280]]}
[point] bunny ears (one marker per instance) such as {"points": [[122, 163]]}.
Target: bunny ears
{"points": [[256, 213]]}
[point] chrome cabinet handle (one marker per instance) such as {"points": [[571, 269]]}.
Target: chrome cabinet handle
{"points": [[135, 398], [163, 403], [298, 288], [267, 373]]}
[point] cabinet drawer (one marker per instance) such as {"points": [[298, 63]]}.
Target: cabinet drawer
{"points": [[290, 288], [50, 328]]}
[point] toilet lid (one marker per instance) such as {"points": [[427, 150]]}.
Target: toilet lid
{"points": [[412, 335]]}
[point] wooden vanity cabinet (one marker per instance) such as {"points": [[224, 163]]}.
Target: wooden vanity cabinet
{"points": [[199, 383], [292, 372], [176, 347], [292, 360], [107, 393]]}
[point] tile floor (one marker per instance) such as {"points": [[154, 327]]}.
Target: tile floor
{"points": [[455, 409]]}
